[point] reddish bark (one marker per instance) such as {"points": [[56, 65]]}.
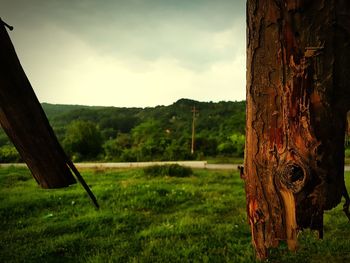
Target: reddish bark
{"points": [[297, 99]]}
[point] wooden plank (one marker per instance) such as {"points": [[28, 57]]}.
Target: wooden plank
{"points": [[25, 122]]}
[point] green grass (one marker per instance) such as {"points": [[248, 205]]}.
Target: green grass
{"points": [[200, 218], [172, 170]]}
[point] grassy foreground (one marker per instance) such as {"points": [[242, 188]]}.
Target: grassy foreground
{"points": [[144, 219]]}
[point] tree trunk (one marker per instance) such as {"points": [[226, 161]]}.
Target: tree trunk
{"points": [[298, 68]]}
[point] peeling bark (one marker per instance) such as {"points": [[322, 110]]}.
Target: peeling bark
{"points": [[297, 100]]}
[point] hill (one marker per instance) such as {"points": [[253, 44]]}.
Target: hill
{"points": [[141, 134]]}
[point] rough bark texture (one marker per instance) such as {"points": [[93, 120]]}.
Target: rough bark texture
{"points": [[298, 68], [24, 121]]}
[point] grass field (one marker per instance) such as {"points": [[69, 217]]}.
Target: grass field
{"points": [[144, 219]]}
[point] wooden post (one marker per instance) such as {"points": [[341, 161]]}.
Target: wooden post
{"points": [[298, 68], [25, 122]]}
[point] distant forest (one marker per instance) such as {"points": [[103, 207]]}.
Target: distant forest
{"points": [[90, 133]]}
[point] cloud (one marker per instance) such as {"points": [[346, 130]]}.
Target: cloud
{"points": [[145, 29], [132, 52], [79, 74]]}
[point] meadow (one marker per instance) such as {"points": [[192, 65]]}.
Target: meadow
{"points": [[143, 218]]}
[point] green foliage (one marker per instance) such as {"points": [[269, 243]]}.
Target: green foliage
{"points": [[234, 146], [172, 170], [201, 218], [3, 138], [226, 148], [128, 155], [149, 140], [119, 149], [83, 140], [162, 132], [154, 133], [9, 154], [178, 150], [238, 141], [112, 150], [347, 153]]}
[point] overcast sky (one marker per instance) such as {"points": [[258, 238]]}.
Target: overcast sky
{"points": [[130, 52]]}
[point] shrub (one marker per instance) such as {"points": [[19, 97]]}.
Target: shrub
{"points": [[128, 155], [82, 140], [112, 150], [173, 170], [9, 154]]}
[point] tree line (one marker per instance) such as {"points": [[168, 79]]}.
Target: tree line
{"points": [[92, 133]]}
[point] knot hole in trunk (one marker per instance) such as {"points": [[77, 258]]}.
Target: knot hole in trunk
{"points": [[293, 176]]}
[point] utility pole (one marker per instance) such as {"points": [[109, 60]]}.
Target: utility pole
{"points": [[194, 111]]}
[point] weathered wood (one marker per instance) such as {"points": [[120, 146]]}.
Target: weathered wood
{"points": [[298, 68], [25, 122]]}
